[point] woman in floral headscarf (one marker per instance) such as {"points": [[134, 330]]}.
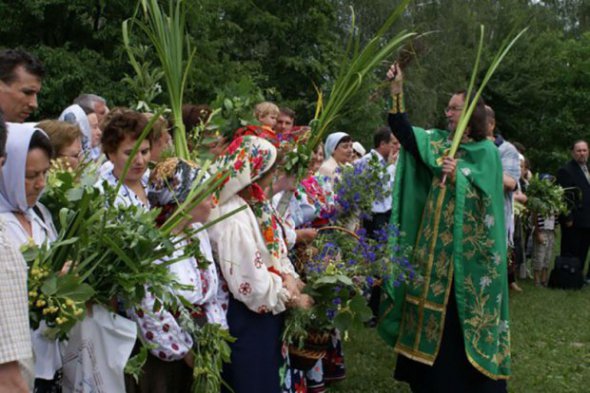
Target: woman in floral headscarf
{"points": [[253, 260], [169, 365]]}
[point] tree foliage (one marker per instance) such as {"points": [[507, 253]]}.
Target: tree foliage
{"points": [[539, 93]]}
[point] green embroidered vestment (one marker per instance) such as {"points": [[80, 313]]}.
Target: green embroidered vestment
{"points": [[457, 235]]}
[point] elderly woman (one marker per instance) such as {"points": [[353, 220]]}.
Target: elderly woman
{"points": [[95, 134], [338, 152], [21, 184], [119, 136], [253, 260], [66, 139], [74, 114], [169, 365]]}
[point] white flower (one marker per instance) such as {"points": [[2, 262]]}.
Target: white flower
{"points": [[503, 326], [485, 281], [499, 298], [497, 259], [489, 221], [466, 171]]}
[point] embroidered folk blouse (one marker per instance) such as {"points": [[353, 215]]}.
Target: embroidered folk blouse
{"points": [[251, 274], [160, 328]]}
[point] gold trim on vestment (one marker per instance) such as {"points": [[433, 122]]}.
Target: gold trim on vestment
{"points": [[483, 370], [415, 355], [428, 271]]}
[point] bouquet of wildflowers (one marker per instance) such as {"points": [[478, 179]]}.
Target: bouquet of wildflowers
{"points": [[97, 255], [338, 269], [358, 186]]}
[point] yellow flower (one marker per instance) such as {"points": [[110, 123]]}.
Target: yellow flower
{"points": [[40, 303], [60, 321], [78, 312], [33, 294], [69, 302]]}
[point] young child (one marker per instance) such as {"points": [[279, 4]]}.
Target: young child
{"points": [[266, 113], [543, 241]]}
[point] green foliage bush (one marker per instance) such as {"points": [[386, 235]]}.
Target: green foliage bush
{"points": [[540, 93]]}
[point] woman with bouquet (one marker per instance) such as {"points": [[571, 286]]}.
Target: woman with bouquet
{"points": [[170, 362], [26, 220], [449, 325], [253, 260], [119, 136]]}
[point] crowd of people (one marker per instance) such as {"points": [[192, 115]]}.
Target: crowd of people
{"points": [[460, 230]]}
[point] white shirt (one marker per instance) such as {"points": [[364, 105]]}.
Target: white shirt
{"points": [[48, 353], [381, 206]]}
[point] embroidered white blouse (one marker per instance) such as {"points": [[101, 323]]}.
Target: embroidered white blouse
{"points": [[160, 328], [126, 197], [251, 274]]}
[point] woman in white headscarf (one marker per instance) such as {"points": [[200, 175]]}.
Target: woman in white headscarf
{"points": [[22, 181], [75, 114], [338, 151]]}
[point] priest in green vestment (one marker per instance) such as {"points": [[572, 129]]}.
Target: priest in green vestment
{"points": [[453, 317]]}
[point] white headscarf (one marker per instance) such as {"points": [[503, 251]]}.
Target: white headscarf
{"points": [[75, 114], [332, 141], [358, 148], [12, 177]]}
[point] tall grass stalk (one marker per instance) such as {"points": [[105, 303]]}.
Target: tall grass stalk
{"points": [[167, 33]]}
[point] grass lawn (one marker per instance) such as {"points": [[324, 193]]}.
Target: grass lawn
{"points": [[550, 347]]}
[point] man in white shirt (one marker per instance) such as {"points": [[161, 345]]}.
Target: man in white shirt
{"points": [[383, 142]]}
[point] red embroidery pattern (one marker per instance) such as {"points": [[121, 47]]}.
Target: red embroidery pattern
{"points": [[262, 309], [245, 288], [258, 260]]}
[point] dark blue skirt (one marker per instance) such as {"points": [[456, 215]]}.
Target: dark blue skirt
{"points": [[256, 354]]}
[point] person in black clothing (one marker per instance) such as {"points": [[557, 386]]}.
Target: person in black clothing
{"points": [[575, 230]]}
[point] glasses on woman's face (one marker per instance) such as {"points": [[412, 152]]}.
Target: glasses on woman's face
{"points": [[72, 155], [454, 108]]}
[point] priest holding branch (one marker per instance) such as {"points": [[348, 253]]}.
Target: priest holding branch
{"points": [[450, 324]]}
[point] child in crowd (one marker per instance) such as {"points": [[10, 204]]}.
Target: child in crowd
{"points": [[266, 113], [543, 241]]}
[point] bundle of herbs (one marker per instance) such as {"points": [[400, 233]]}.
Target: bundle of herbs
{"points": [[545, 197]]}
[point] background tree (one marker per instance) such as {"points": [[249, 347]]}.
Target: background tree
{"points": [[539, 92]]}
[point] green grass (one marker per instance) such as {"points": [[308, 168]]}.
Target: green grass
{"points": [[550, 347]]}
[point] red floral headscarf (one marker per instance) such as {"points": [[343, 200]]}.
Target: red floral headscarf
{"points": [[247, 159]]}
